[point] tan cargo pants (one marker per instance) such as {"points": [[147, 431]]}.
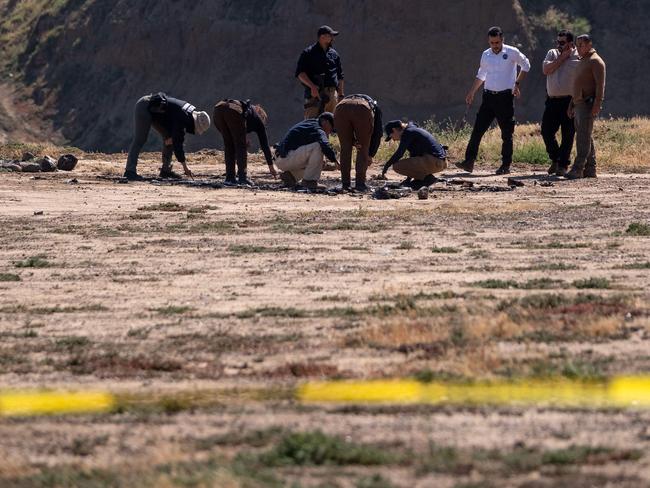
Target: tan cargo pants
{"points": [[306, 162], [312, 104], [420, 166]]}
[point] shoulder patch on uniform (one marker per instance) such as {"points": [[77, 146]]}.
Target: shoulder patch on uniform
{"points": [[505, 55]]}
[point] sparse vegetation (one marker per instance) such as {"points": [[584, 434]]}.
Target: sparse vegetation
{"points": [[38, 261], [638, 229]]}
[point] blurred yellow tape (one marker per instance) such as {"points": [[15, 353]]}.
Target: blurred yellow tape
{"points": [[631, 392], [25, 403]]}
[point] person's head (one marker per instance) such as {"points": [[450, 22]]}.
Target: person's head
{"points": [[495, 39], [564, 40], [394, 130], [326, 121], [583, 44], [326, 36], [201, 122], [261, 113]]}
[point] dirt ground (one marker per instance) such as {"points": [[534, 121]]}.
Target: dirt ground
{"points": [[155, 289]]}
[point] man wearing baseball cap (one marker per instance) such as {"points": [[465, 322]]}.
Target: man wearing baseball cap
{"points": [[320, 72], [427, 156], [172, 118]]}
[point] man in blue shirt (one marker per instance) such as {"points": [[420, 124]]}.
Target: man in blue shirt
{"points": [[427, 156], [300, 153], [319, 70]]}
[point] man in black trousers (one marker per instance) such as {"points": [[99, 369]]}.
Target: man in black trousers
{"points": [[498, 71], [559, 68]]}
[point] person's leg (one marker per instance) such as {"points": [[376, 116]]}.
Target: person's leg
{"points": [[590, 166], [167, 152], [142, 125], [345, 131], [221, 124], [330, 106], [363, 126], [568, 136], [314, 162], [237, 127], [505, 114], [551, 121], [484, 118], [419, 167], [584, 126], [295, 162]]}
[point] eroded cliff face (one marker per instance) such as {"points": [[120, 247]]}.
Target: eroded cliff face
{"points": [[88, 62]]}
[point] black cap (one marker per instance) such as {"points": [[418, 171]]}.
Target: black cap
{"points": [[326, 29], [388, 128], [327, 116]]}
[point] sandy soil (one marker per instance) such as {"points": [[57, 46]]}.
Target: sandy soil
{"points": [[158, 288]]}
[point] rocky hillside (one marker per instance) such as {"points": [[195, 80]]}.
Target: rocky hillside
{"points": [[85, 62]]}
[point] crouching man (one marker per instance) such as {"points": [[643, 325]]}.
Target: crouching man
{"points": [[357, 119], [172, 118], [427, 156], [300, 153]]}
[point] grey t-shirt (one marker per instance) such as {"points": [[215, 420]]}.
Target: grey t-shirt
{"points": [[560, 82]]}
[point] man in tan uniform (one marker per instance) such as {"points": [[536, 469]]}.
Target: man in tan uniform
{"points": [[587, 100], [358, 122]]}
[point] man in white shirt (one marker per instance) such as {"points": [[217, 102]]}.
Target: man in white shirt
{"points": [[559, 67], [498, 74]]}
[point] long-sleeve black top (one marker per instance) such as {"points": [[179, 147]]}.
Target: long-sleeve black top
{"points": [[303, 133], [176, 121], [316, 62], [417, 142], [254, 124]]}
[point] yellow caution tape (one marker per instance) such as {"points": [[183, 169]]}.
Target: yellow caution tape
{"points": [[619, 392], [25, 403]]}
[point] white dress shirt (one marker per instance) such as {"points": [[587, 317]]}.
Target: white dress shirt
{"points": [[499, 71]]}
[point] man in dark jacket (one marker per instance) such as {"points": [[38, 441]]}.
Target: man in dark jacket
{"points": [[427, 156], [357, 119], [320, 72], [300, 153], [172, 118], [234, 119]]}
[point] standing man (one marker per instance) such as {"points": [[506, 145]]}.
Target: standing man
{"points": [[172, 118], [498, 70], [559, 68], [358, 122], [234, 119], [427, 156], [319, 70], [300, 153], [588, 96]]}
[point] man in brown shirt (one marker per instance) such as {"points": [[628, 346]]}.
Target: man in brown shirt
{"points": [[587, 100]]}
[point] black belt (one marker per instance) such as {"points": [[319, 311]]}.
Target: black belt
{"points": [[562, 97], [491, 92]]}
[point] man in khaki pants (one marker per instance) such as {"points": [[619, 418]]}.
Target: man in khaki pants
{"points": [[588, 96], [427, 156], [357, 119], [300, 153]]}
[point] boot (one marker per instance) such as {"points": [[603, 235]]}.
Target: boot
{"points": [[562, 169], [577, 171], [288, 179], [243, 180], [313, 185], [553, 168], [133, 176], [360, 187], [429, 180], [230, 181], [167, 173], [466, 166], [406, 182], [504, 169], [590, 171], [417, 184]]}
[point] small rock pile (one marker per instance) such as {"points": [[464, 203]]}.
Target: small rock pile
{"points": [[46, 164]]}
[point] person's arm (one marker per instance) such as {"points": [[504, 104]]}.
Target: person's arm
{"points": [[377, 132], [524, 65], [327, 148], [304, 79], [599, 72], [264, 146], [177, 141], [403, 144], [481, 75], [552, 64], [339, 74]]}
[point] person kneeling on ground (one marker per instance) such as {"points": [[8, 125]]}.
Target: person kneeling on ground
{"points": [[234, 119], [427, 155], [300, 153], [357, 119], [172, 118]]}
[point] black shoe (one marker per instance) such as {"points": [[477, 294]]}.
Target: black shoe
{"points": [[466, 166], [230, 181], [406, 182], [169, 174], [133, 176], [417, 184], [574, 174], [589, 173], [561, 170], [288, 179], [429, 180], [361, 187], [553, 169], [243, 180], [504, 169]]}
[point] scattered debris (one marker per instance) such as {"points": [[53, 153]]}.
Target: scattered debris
{"points": [[388, 193], [72, 181], [27, 156], [67, 162], [47, 164], [423, 193], [465, 183], [38, 212], [515, 182], [10, 165], [30, 167], [547, 183]]}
